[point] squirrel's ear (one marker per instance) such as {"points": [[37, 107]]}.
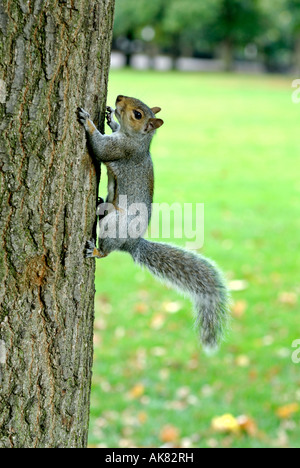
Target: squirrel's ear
{"points": [[153, 124], [156, 110]]}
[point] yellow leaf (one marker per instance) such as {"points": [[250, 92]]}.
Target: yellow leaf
{"points": [[242, 360], [172, 307], [238, 285], [285, 412], [137, 391], [157, 321], [226, 423], [142, 417]]}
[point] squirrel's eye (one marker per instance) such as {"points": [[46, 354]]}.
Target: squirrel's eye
{"points": [[137, 115]]}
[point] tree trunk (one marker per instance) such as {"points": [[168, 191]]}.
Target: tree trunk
{"points": [[297, 56], [227, 55], [54, 57]]}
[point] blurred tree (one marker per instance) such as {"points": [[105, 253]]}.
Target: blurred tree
{"points": [[294, 8], [279, 37], [130, 19], [178, 25], [184, 24], [236, 23], [203, 28]]}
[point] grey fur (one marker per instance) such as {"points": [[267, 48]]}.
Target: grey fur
{"points": [[126, 153], [194, 275]]}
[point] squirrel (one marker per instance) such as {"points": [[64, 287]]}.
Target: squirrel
{"points": [[126, 154]]}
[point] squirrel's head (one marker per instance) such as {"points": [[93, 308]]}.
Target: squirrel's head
{"points": [[135, 117]]}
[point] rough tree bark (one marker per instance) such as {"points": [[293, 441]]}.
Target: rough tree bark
{"points": [[54, 57]]}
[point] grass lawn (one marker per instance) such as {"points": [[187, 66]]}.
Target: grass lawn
{"points": [[230, 142]]}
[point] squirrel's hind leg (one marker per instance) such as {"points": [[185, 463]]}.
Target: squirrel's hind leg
{"points": [[91, 250]]}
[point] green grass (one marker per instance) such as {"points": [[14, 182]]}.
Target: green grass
{"points": [[232, 143]]}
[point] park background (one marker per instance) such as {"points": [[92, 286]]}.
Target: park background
{"points": [[231, 141]]}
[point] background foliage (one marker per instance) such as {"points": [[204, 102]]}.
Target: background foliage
{"points": [[264, 30]]}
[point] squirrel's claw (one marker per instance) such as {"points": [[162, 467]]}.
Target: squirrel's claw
{"points": [[91, 250], [108, 114], [91, 244], [82, 115], [90, 247]]}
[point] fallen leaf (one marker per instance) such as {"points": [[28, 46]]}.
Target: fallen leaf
{"points": [[169, 433], [227, 441], [207, 390], [282, 440], [253, 374], [157, 321], [192, 400], [126, 443], [177, 405], [158, 351], [238, 285], [142, 417], [288, 298], [172, 307], [225, 423], [137, 391], [141, 308], [186, 442], [143, 294], [247, 425], [242, 361], [96, 339], [183, 392], [286, 411], [105, 386], [103, 303], [212, 443], [238, 308], [100, 324], [164, 374], [235, 425]]}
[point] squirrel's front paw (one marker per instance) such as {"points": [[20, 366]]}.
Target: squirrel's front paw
{"points": [[90, 249], [82, 116], [108, 114]]}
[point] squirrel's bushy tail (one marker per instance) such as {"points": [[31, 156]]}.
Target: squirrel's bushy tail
{"points": [[194, 275]]}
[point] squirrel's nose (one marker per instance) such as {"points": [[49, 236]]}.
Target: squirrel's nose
{"points": [[119, 98]]}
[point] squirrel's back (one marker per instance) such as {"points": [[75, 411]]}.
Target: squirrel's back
{"points": [[133, 179]]}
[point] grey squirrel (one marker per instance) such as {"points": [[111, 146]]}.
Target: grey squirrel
{"points": [[126, 154]]}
